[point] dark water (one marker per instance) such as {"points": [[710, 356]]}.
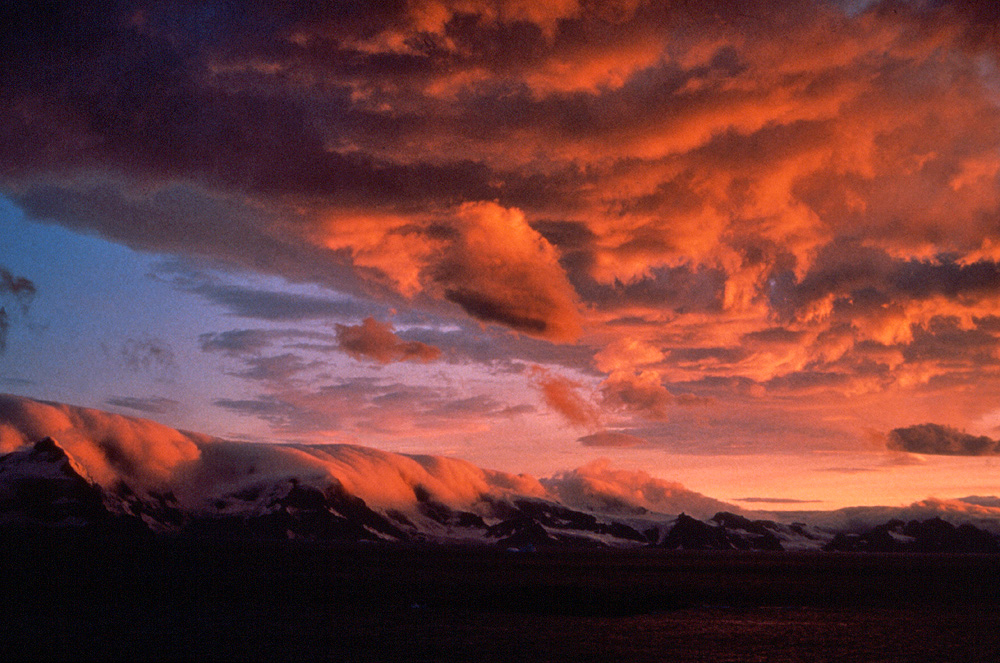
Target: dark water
{"points": [[712, 634], [101, 598]]}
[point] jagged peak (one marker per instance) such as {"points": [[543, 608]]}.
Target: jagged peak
{"points": [[46, 457], [71, 460], [48, 447]]}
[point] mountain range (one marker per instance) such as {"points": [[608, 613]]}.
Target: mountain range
{"points": [[92, 469]]}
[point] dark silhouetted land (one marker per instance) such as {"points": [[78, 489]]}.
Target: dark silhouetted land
{"points": [[113, 596]]}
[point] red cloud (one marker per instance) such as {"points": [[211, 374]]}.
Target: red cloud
{"points": [[642, 393]]}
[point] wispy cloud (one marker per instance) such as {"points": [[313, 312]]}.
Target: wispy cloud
{"points": [[21, 288], [149, 404], [20, 291], [371, 406], [566, 397], [148, 354]]}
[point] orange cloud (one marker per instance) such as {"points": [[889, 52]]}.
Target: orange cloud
{"points": [[641, 392], [561, 394], [376, 340], [502, 270], [481, 256]]}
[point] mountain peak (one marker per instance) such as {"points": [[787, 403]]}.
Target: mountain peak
{"points": [[49, 451], [47, 455], [44, 484]]}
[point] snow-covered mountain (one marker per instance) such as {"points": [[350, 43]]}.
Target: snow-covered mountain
{"points": [[42, 483], [76, 467]]}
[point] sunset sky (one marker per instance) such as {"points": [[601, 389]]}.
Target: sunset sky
{"points": [[752, 247]]}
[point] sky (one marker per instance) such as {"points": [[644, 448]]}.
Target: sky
{"points": [[751, 247]]}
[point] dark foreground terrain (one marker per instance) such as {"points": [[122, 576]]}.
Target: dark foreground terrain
{"points": [[80, 596]]}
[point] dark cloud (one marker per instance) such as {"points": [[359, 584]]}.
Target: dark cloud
{"points": [[21, 291], [277, 369], [681, 289], [375, 340], [944, 340], [266, 407], [151, 404], [866, 276], [946, 277], [187, 220], [237, 342], [274, 306], [4, 328], [148, 355], [491, 310], [144, 84], [935, 439], [982, 500]]}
